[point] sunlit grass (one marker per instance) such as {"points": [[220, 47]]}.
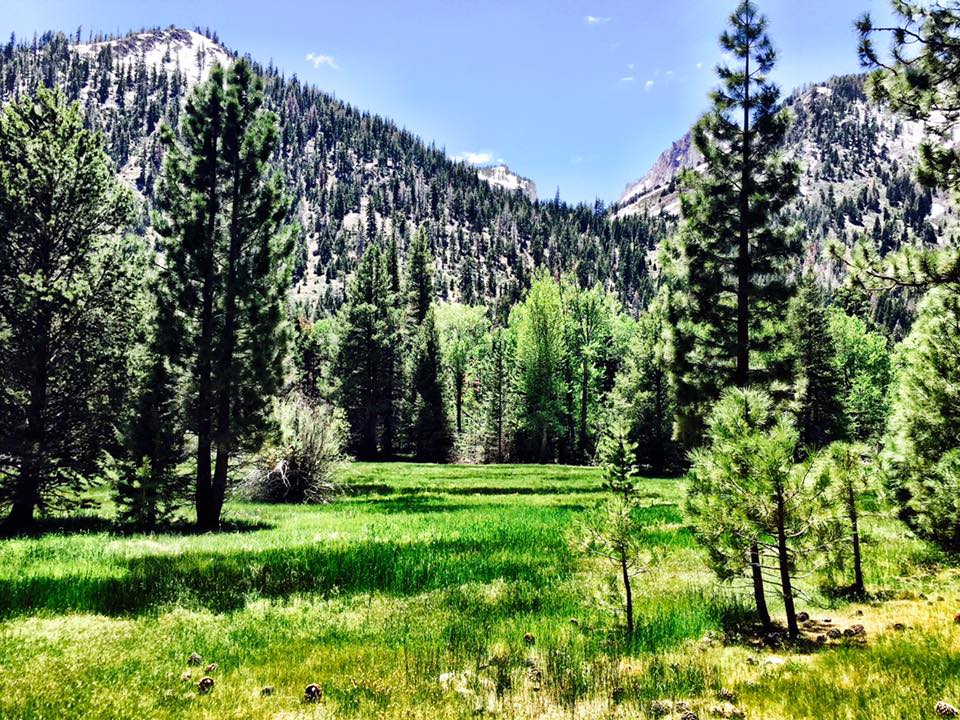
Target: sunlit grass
{"points": [[427, 571]]}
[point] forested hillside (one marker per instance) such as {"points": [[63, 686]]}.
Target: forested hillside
{"points": [[857, 181], [353, 175]]}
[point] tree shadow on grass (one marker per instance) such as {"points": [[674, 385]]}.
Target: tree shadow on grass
{"points": [[223, 582], [420, 503], [96, 524]]}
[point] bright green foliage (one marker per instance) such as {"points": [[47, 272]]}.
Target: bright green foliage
{"points": [[746, 496], [368, 335], [850, 473], [462, 329], [863, 364], [922, 437], [227, 269], [495, 394], [594, 350], [616, 454], [643, 396], [733, 257], [538, 328], [818, 400], [69, 301], [430, 427]]}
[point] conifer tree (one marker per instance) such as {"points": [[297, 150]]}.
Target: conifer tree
{"points": [[419, 281], [69, 301], [228, 267], [921, 445], [727, 313], [430, 430], [362, 362], [148, 489], [818, 393], [733, 256], [748, 501]]}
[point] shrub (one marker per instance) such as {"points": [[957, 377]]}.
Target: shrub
{"points": [[303, 465]]}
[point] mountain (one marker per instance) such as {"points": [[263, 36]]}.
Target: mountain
{"points": [[355, 178], [503, 177], [857, 161], [857, 182]]}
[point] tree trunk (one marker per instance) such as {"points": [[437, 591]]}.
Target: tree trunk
{"points": [[204, 490], [858, 586], [786, 585], [26, 495], [743, 249], [629, 591], [459, 401], [758, 595], [584, 398]]}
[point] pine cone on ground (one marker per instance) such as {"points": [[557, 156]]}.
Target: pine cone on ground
{"points": [[945, 709], [205, 685], [660, 707], [313, 693], [194, 659]]}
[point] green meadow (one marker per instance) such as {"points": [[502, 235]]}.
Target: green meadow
{"points": [[449, 592]]}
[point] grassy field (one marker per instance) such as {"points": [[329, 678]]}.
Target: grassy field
{"points": [[412, 597]]}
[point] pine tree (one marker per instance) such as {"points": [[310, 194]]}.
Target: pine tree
{"points": [[69, 300], [148, 489], [363, 356], [733, 287], [817, 387], [228, 269], [419, 283], [921, 445], [733, 256], [921, 80], [747, 499], [430, 428]]}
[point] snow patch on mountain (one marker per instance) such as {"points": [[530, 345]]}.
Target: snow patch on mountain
{"points": [[190, 52], [503, 177]]}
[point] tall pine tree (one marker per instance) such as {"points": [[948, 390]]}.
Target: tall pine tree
{"points": [[733, 255], [69, 302], [727, 315], [227, 269]]}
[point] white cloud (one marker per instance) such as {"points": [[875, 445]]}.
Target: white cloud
{"points": [[594, 20], [576, 159], [319, 60], [699, 65], [474, 158], [627, 79], [631, 66], [669, 74], [648, 84]]}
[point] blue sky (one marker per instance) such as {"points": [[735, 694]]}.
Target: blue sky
{"points": [[577, 94]]}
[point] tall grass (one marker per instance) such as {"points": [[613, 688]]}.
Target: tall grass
{"points": [[427, 571]]}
